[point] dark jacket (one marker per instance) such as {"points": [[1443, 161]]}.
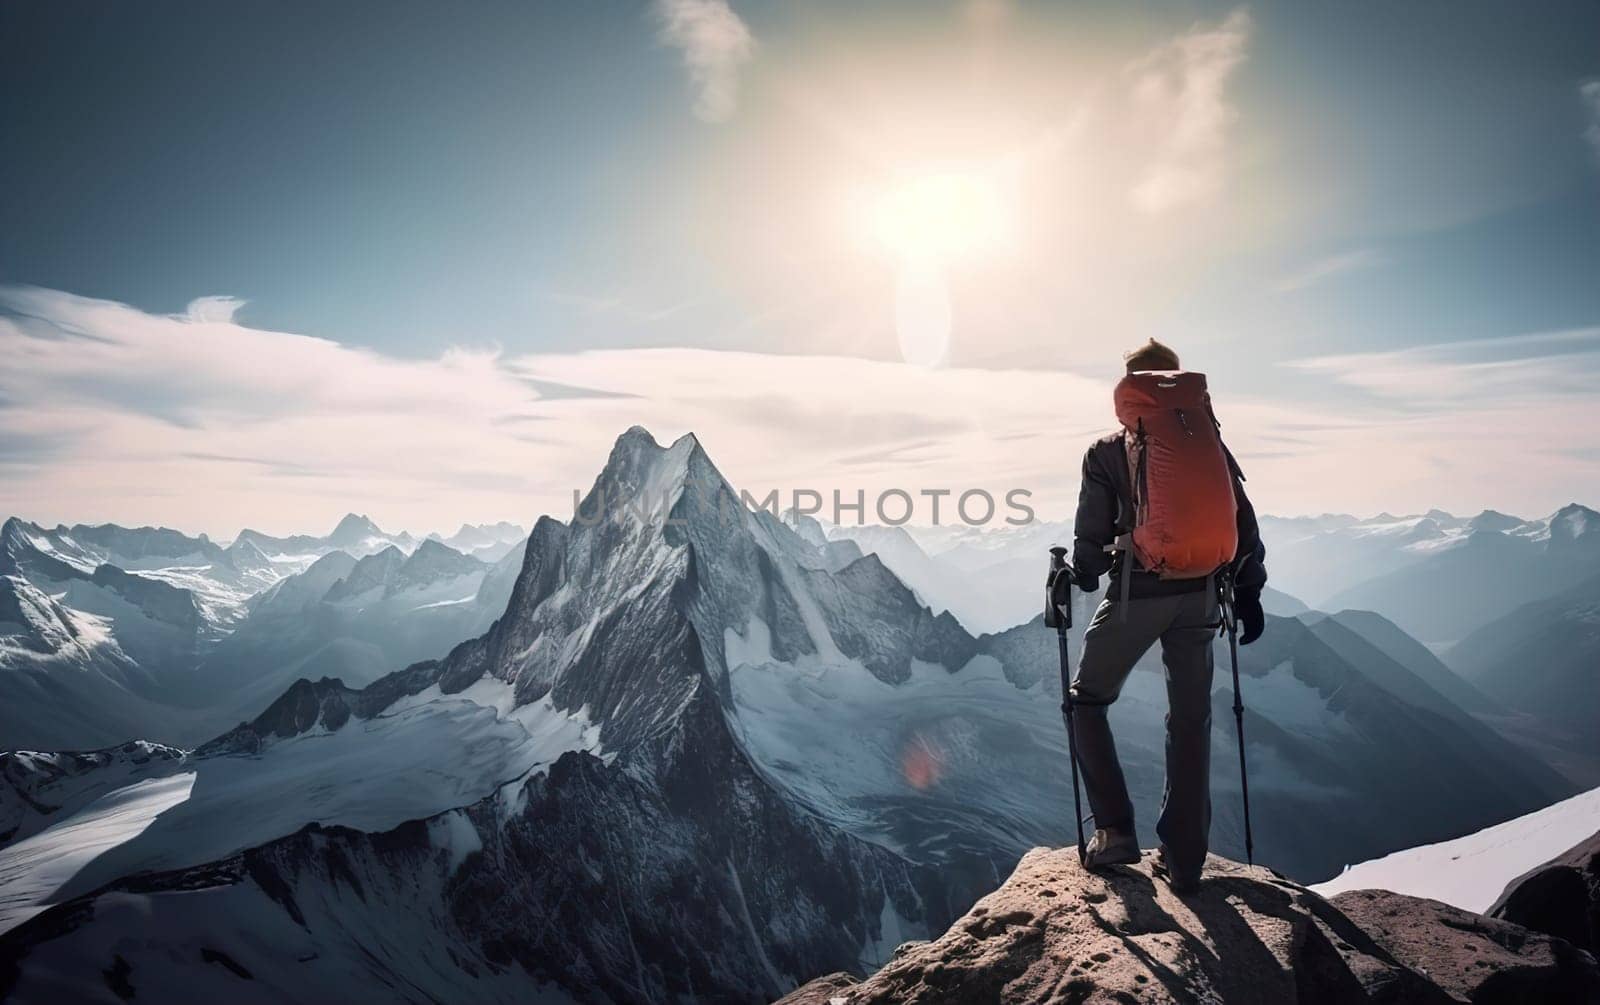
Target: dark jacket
{"points": [[1105, 510]]}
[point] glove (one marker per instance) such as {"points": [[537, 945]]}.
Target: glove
{"points": [[1087, 582], [1252, 619]]}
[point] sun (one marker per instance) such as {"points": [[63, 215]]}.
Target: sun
{"points": [[930, 225], [939, 219]]}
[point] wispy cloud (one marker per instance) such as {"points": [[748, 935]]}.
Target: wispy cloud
{"points": [[142, 407], [1535, 368], [214, 308], [614, 305], [1327, 268], [1180, 92], [1501, 422], [1589, 93], [715, 43]]}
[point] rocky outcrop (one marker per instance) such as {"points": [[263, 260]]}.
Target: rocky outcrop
{"points": [[1057, 933], [1473, 958], [1560, 898], [822, 991]]}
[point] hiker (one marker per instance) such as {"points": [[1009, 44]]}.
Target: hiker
{"points": [[1162, 508]]}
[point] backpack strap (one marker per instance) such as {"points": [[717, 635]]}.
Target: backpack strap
{"points": [[1124, 544], [1134, 450]]}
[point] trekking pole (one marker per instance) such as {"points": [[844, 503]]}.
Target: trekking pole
{"points": [[1230, 619], [1058, 614]]}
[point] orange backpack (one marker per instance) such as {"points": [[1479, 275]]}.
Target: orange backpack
{"points": [[1185, 514]]}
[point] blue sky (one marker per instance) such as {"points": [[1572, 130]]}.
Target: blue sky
{"points": [[1325, 206]]}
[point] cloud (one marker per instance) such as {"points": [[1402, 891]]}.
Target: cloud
{"points": [[1327, 268], [715, 43], [112, 413], [149, 414], [1180, 95], [1532, 370], [1589, 93], [1506, 422], [214, 308]]}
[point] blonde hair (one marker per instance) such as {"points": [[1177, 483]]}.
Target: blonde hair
{"points": [[1152, 355]]}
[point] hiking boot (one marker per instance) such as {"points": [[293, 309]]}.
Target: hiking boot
{"points": [[1111, 847], [1181, 885]]}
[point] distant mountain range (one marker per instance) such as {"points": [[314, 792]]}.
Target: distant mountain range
{"points": [[1540, 665], [489, 542], [1438, 576], [1519, 594], [678, 757], [110, 633]]}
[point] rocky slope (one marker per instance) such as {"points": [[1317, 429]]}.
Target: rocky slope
{"points": [[1056, 933], [1441, 577]]}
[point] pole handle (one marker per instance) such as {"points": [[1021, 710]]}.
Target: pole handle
{"points": [[1058, 591]]}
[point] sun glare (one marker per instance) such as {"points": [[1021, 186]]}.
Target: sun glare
{"points": [[929, 226], [941, 218]]}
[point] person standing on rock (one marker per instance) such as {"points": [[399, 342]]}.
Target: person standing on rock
{"points": [[1162, 508]]}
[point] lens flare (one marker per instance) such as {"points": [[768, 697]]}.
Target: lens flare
{"points": [[922, 315], [932, 225], [921, 763]]}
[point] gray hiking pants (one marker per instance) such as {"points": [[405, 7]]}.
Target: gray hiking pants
{"points": [[1185, 625]]}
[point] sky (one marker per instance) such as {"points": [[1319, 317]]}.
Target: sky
{"points": [[263, 264]]}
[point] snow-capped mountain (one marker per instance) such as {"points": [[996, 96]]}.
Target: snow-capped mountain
{"points": [[85, 647], [216, 588], [489, 542], [942, 585], [39, 789], [355, 534], [358, 535], [348, 619], [665, 860], [694, 756]]}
